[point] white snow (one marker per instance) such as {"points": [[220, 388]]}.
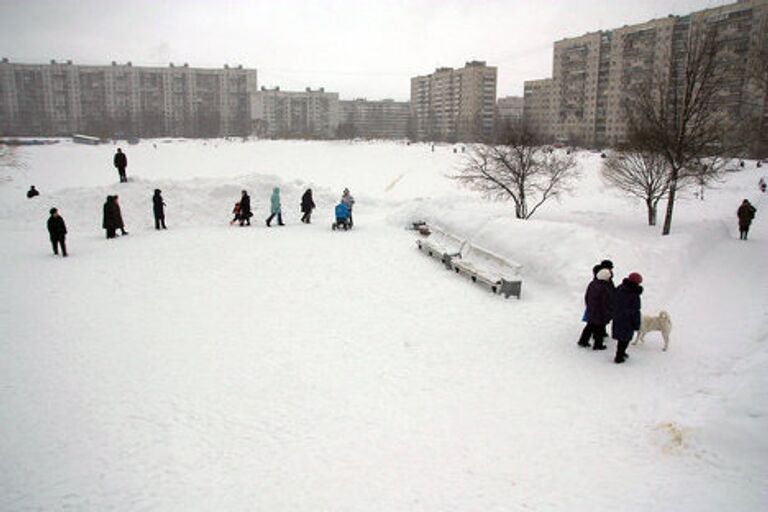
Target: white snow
{"points": [[212, 367]]}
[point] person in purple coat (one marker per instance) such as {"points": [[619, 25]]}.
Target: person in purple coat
{"points": [[598, 299]]}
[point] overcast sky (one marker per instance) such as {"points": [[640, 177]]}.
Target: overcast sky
{"points": [[364, 48]]}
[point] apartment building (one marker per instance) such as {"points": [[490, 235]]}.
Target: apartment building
{"points": [[312, 114], [455, 104], [509, 109], [383, 119], [537, 108], [64, 98], [592, 74]]}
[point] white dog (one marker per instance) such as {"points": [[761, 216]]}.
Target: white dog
{"points": [[662, 323]]}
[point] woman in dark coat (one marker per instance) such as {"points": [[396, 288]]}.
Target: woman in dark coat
{"points": [[746, 213], [626, 313], [307, 205], [110, 217], [113, 218], [599, 312], [158, 208], [245, 209]]}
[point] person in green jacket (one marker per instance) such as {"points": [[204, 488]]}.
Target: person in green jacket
{"points": [[276, 210]]}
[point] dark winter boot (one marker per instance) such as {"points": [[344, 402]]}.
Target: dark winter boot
{"points": [[280, 219]]}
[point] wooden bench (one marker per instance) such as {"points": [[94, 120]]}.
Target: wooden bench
{"points": [[441, 245], [496, 272]]}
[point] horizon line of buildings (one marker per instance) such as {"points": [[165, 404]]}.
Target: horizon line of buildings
{"points": [[580, 104]]}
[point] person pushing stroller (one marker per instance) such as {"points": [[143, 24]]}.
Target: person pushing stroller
{"points": [[343, 218]]}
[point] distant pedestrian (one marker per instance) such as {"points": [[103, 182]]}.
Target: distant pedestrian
{"points": [[597, 299], [113, 218], [158, 208], [349, 201], [121, 162], [307, 205], [275, 208], [245, 214], [760, 185], [57, 230], [745, 213], [109, 222], [32, 192], [626, 314], [741, 164]]}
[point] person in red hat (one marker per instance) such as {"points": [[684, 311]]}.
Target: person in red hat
{"points": [[626, 313]]}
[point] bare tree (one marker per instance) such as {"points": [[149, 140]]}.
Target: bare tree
{"points": [[643, 175], [646, 176], [681, 115], [521, 171]]}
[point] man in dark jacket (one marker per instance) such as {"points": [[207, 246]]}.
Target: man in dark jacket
{"points": [[158, 208], [245, 209], [58, 232], [598, 314], [121, 162], [626, 313], [746, 213]]}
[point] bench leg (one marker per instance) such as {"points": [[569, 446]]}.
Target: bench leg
{"points": [[511, 288]]}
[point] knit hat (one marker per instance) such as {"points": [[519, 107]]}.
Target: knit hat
{"points": [[635, 278], [604, 274], [606, 264]]}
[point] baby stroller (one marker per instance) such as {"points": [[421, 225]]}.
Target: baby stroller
{"points": [[342, 218]]}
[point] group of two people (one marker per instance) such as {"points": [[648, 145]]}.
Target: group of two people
{"points": [[606, 303], [243, 213]]}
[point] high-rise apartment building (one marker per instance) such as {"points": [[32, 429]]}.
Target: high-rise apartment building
{"points": [[455, 104], [64, 98], [509, 110], [312, 114], [537, 107], [592, 74], [383, 119]]}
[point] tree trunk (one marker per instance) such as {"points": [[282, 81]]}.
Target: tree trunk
{"points": [[670, 203], [651, 205]]}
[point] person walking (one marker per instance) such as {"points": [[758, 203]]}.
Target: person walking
{"points": [[599, 311], [349, 201], [57, 230], [245, 209], [275, 208], [158, 208], [626, 314], [109, 222], [745, 213], [32, 192], [307, 205], [121, 162]]}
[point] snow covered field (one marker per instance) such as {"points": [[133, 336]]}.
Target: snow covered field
{"points": [[211, 367]]}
